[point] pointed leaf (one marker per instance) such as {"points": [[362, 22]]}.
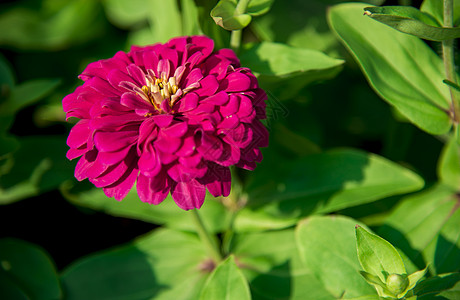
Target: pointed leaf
{"points": [[226, 283], [401, 68], [377, 256], [259, 7], [434, 286], [408, 19], [414, 278]]}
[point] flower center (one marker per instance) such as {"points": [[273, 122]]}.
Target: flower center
{"points": [[159, 89]]}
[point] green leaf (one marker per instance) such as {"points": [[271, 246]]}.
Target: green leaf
{"points": [[259, 7], [126, 14], [163, 265], [281, 66], [27, 93], [410, 20], [276, 273], [401, 68], [435, 8], [214, 215], [29, 269], [416, 223], [327, 248], [377, 256], [415, 277], [38, 165], [226, 282], [443, 252], [449, 164], [434, 286], [224, 15], [6, 75], [326, 182]]}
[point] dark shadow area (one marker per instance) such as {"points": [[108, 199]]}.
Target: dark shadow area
{"points": [[447, 256], [275, 284], [430, 288], [63, 230]]}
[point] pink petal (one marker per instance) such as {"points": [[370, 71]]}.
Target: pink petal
{"points": [[121, 188], [137, 74], [79, 134], [114, 141], [209, 86], [236, 82], [231, 107], [221, 98], [153, 190], [188, 195]]}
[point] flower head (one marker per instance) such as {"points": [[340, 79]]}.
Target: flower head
{"points": [[171, 117]]}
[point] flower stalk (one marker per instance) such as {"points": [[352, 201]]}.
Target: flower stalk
{"points": [[236, 35], [448, 58], [208, 240]]}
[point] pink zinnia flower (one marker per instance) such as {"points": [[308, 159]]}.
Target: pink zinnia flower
{"points": [[172, 117]]}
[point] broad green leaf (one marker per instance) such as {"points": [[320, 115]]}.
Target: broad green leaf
{"points": [[162, 265], [327, 248], [29, 269], [410, 20], [67, 23], [401, 68], [435, 8], [449, 165], [226, 283], [225, 16], [281, 66], [326, 182], [10, 290], [416, 222], [165, 20], [377, 256], [126, 14], [26, 93], [38, 165], [276, 273], [213, 212], [453, 293], [432, 287], [259, 7]]}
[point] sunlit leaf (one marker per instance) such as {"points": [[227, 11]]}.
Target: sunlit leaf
{"points": [[410, 20], [401, 68], [449, 164], [435, 8], [225, 16], [226, 282]]}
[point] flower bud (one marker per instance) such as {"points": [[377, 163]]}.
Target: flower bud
{"points": [[397, 283]]}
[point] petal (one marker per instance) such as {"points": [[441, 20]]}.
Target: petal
{"points": [[134, 101], [121, 188], [231, 107], [188, 102], [221, 98], [209, 86], [79, 134], [114, 141], [176, 130], [153, 190], [236, 82], [149, 162], [188, 195], [137, 74]]}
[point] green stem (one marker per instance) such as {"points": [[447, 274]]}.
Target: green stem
{"points": [[236, 35], [209, 241], [448, 58]]}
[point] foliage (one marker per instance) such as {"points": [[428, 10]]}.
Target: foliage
{"points": [[339, 156]]}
